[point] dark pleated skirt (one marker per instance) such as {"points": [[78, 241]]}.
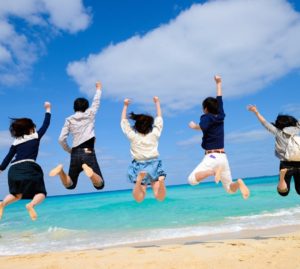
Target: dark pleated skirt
{"points": [[26, 178]]}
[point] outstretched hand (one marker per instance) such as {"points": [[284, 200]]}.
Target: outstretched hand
{"points": [[193, 125], [98, 85], [218, 79], [127, 102], [252, 108], [47, 106], [155, 99]]}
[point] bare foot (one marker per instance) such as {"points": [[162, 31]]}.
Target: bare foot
{"points": [[218, 174], [1, 210], [244, 189], [31, 211], [87, 170], [140, 177], [55, 171], [282, 187]]}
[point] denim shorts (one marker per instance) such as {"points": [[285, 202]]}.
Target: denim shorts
{"points": [[153, 167], [79, 156]]}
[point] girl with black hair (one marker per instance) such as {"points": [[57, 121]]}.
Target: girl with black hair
{"points": [[284, 127], [146, 168], [25, 176]]}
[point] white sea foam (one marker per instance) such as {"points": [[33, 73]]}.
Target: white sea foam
{"points": [[59, 238]]}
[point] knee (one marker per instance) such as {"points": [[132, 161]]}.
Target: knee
{"points": [[160, 198], [139, 199], [99, 187], [192, 179], [284, 193], [70, 186], [18, 196]]}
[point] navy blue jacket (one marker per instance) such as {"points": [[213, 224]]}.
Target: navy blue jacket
{"points": [[213, 128], [28, 149]]}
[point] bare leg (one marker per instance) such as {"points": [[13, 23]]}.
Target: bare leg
{"points": [[37, 199], [239, 184], [159, 189], [8, 200], [95, 178], [65, 179], [139, 190], [282, 187]]}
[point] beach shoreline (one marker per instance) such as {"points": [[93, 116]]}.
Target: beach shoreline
{"points": [[272, 248]]}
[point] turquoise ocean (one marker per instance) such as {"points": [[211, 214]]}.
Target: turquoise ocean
{"points": [[106, 219]]}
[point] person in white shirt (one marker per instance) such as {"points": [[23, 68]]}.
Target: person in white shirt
{"points": [[81, 126], [146, 168]]}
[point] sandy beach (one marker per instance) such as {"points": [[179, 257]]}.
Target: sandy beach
{"points": [[259, 252]]}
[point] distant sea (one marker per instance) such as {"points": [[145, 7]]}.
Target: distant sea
{"points": [[105, 219]]}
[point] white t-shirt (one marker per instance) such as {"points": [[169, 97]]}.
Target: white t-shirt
{"points": [[143, 147]]}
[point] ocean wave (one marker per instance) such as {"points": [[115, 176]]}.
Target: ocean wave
{"points": [[54, 238]]}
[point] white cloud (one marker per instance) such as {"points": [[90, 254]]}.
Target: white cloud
{"points": [[234, 137], [249, 42], [5, 139], [196, 139], [246, 137], [292, 109], [19, 48]]}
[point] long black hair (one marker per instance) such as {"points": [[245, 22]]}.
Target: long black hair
{"points": [[283, 121], [143, 122], [20, 127]]}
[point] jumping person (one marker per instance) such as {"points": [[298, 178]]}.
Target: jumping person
{"points": [[25, 176], [215, 161], [146, 167], [284, 127], [81, 126]]}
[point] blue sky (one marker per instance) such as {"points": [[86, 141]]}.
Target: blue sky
{"points": [[56, 50]]}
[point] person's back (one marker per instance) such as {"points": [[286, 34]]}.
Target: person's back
{"points": [[146, 168], [215, 161], [282, 129], [212, 123], [81, 126], [143, 146], [25, 176]]}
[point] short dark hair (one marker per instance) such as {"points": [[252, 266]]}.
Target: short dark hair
{"points": [[283, 121], [20, 127], [211, 104], [143, 123], [81, 104]]}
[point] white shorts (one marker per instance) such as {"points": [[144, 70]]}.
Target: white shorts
{"points": [[211, 162]]}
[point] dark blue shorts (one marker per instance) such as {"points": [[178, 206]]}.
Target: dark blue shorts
{"points": [[79, 156], [26, 178]]}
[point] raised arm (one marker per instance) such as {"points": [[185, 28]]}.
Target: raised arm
{"points": [[253, 108], [124, 111], [218, 81], [46, 122], [96, 100], [157, 105], [125, 126]]}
